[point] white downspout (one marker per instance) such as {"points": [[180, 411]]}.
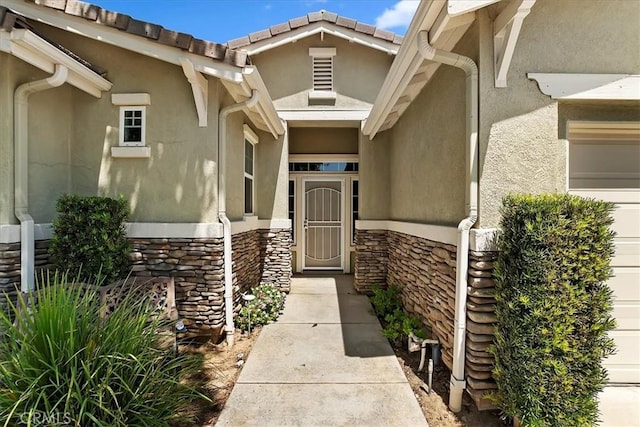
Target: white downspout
{"points": [[21, 170], [222, 209], [457, 382]]}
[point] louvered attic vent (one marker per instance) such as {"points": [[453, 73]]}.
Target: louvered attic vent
{"points": [[323, 73], [322, 91]]}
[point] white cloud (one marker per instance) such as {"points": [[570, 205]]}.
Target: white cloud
{"points": [[399, 15]]}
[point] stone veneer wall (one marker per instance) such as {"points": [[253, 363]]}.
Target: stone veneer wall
{"points": [[10, 268], [259, 256], [424, 271], [246, 271], [372, 255], [197, 267], [480, 326]]}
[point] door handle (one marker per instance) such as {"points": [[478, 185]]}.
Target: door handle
{"points": [[306, 224]]}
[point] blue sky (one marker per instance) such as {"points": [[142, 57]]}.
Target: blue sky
{"points": [[222, 20]]}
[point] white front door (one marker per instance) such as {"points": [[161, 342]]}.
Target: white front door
{"points": [[323, 223]]}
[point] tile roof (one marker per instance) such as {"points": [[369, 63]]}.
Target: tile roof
{"points": [[149, 30], [10, 20], [309, 19]]}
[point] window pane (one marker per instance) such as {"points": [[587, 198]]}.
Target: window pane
{"points": [[137, 113], [248, 157], [248, 195], [128, 114], [132, 134]]}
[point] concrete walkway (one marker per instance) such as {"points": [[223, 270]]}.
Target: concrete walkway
{"points": [[323, 363]]}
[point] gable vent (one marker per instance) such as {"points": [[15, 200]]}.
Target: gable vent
{"points": [[322, 68], [323, 73]]}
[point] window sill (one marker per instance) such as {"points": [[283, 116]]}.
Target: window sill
{"points": [[131, 152]]}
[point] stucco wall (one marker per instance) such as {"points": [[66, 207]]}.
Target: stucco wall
{"points": [[179, 182], [374, 177], [427, 155], [273, 177], [49, 139], [521, 130], [358, 72], [323, 140]]}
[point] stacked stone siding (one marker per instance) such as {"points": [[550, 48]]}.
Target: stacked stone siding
{"points": [[424, 271], [372, 255], [481, 320], [197, 266], [275, 257], [10, 268], [259, 256], [246, 271]]}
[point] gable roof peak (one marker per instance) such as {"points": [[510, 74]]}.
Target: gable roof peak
{"points": [[311, 18]]}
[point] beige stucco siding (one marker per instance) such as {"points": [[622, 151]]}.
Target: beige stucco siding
{"points": [[178, 183], [522, 146], [323, 140], [374, 177], [272, 177], [358, 72], [49, 141], [428, 148]]}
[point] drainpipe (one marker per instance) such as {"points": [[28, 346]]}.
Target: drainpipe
{"points": [[21, 170], [222, 209], [457, 383]]}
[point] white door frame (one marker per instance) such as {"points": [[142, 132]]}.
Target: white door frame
{"points": [[303, 235]]}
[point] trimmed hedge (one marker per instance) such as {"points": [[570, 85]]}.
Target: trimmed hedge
{"points": [[553, 308], [89, 237]]}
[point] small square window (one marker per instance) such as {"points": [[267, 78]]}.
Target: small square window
{"points": [[132, 126]]}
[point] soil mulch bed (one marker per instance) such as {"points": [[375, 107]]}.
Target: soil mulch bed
{"points": [[435, 404]]}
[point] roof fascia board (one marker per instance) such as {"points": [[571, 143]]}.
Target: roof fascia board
{"points": [[267, 109], [567, 86], [123, 40], [406, 63], [317, 28], [459, 7], [506, 30], [323, 115], [27, 46]]}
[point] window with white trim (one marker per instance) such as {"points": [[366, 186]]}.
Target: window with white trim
{"points": [[250, 141], [132, 141], [132, 126], [322, 70]]}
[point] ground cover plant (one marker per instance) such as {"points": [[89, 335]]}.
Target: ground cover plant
{"points": [[553, 308], [63, 362], [387, 305], [89, 237], [264, 309]]}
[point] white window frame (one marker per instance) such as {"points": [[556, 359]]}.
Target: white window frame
{"points": [[143, 126], [131, 102], [352, 210], [251, 138]]}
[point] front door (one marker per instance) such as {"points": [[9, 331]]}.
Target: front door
{"points": [[323, 224]]}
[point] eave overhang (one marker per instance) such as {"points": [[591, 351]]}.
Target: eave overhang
{"points": [[31, 48]]}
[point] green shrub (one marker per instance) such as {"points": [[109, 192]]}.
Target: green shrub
{"points": [[63, 360], [388, 306], [89, 236], [264, 309], [553, 308]]}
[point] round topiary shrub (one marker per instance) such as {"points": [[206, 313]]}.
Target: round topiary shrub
{"points": [[89, 237]]}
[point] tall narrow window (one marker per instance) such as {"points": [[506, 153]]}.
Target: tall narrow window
{"points": [[292, 209], [250, 140], [132, 124], [355, 191]]}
